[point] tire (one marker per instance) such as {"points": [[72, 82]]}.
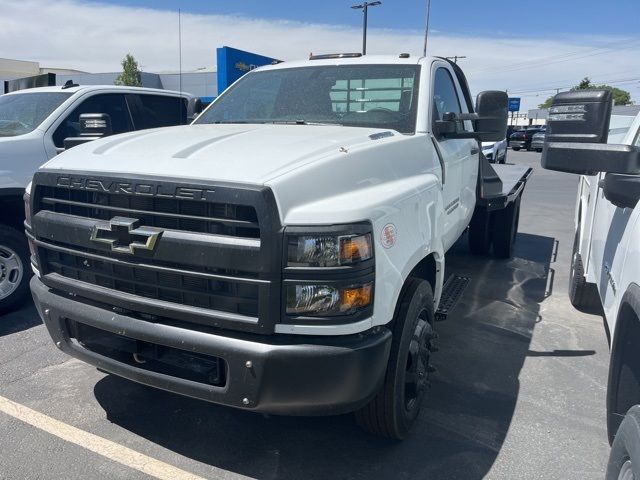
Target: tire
{"points": [[15, 269], [516, 149], [583, 295], [539, 150], [480, 232], [504, 157], [624, 458], [505, 229], [396, 406]]}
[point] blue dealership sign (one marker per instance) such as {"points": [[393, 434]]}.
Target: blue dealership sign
{"points": [[514, 104], [233, 63]]}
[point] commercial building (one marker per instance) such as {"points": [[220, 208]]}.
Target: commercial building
{"points": [[205, 83]]}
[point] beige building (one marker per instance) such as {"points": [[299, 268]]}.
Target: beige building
{"points": [[11, 69]]}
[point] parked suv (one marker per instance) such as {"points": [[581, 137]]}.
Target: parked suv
{"points": [[522, 138], [34, 125]]}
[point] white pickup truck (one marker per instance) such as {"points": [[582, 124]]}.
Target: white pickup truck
{"points": [[285, 253], [605, 269], [34, 125]]}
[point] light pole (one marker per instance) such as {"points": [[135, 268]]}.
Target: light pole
{"points": [[365, 9]]}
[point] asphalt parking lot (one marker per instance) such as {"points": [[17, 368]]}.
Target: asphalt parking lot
{"points": [[519, 391]]}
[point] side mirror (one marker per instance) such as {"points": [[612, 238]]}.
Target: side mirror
{"points": [[490, 119], [492, 108], [92, 127], [580, 117], [622, 190], [577, 132], [194, 109]]}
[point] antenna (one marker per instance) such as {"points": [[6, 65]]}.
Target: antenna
{"points": [[426, 29]]}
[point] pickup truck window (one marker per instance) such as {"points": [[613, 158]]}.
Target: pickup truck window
{"points": [[113, 104], [22, 113], [374, 96], [445, 97], [153, 111]]}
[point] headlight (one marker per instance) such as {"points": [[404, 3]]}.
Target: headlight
{"points": [[327, 300], [328, 250], [27, 204]]}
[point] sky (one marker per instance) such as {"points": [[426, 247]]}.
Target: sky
{"points": [[529, 48]]}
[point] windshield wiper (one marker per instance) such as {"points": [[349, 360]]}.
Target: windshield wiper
{"points": [[300, 122], [233, 121]]}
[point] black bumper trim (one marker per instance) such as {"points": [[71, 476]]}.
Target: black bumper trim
{"points": [[294, 375]]}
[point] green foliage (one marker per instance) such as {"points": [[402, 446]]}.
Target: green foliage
{"points": [[620, 97], [130, 75]]}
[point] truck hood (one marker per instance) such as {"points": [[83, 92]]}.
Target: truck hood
{"points": [[234, 153]]}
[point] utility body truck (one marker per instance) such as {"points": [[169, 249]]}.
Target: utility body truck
{"points": [[285, 253], [38, 123], [605, 267]]}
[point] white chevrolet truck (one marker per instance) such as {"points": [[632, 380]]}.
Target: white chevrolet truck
{"points": [[605, 268], [285, 253], [38, 123]]}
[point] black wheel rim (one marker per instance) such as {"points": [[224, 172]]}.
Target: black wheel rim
{"points": [[417, 367]]}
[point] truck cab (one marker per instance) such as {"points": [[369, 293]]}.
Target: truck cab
{"points": [[285, 253], [605, 268], [34, 126]]}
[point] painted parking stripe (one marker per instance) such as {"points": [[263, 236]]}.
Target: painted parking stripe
{"points": [[108, 449]]}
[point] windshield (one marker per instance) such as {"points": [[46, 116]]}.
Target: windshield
{"points": [[377, 96], [22, 113]]}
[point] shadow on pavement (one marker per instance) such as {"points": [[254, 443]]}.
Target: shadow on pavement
{"points": [[463, 423], [22, 319]]}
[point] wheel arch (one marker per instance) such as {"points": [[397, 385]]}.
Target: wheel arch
{"points": [[623, 389], [429, 268]]}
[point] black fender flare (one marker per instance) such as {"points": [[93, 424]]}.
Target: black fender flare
{"points": [[629, 308]]}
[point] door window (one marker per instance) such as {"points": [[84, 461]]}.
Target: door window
{"points": [[155, 111], [445, 97], [113, 104]]}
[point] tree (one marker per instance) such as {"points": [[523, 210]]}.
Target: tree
{"points": [[620, 97], [130, 75]]}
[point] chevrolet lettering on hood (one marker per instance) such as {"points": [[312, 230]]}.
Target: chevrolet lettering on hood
{"points": [[133, 188]]}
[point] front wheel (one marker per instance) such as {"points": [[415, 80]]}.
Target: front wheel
{"points": [[624, 459], [396, 406], [516, 149], [15, 271]]}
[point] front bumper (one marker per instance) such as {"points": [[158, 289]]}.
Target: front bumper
{"points": [[289, 375], [517, 143], [537, 145]]}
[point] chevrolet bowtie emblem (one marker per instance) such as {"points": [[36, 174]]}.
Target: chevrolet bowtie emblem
{"points": [[124, 235]]}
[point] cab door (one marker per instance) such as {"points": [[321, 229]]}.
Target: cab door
{"points": [[459, 157], [611, 241]]}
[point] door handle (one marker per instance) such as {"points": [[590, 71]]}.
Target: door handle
{"points": [[474, 150]]}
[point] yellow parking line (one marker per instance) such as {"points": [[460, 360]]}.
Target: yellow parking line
{"points": [[108, 449]]}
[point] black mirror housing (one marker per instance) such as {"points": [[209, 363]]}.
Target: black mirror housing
{"points": [[577, 132], [591, 158], [622, 190], [92, 127], [492, 108], [490, 119], [582, 116]]}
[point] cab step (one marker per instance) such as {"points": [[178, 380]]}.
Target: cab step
{"points": [[451, 294]]}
